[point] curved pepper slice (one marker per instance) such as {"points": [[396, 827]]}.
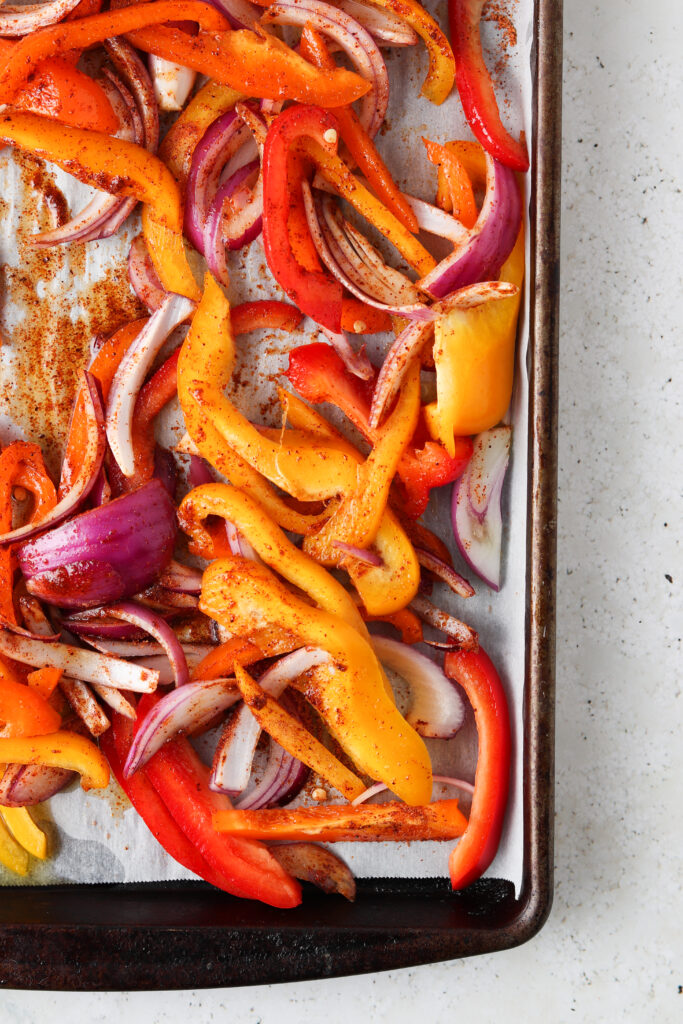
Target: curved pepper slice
{"points": [[441, 75], [476, 88], [178, 145], [12, 855], [243, 595], [259, 65], [59, 750], [166, 248], [270, 543], [59, 90], [314, 291], [474, 355], [25, 831], [112, 165], [475, 672], [23, 712], [459, 184]]}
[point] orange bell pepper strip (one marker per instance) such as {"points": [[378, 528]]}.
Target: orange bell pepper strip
{"points": [[59, 90], [220, 663], [112, 165], [59, 750], [257, 64], [103, 367], [339, 823], [440, 78], [334, 170], [359, 144], [351, 696], [44, 681], [23, 712], [359, 318], [286, 730], [405, 621], [19, 62], [471, 156], [457, 180], [166, 249], [84, 9], [300, 240], [474, 354], [265, 313]]}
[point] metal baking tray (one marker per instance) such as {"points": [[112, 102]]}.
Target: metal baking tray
{"points": [[182, 935]]}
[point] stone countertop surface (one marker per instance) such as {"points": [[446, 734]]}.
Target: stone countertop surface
{"points": [[612, 949]]}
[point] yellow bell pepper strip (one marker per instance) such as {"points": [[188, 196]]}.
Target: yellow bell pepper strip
{"points": [[459, 184], [25, 831], [19, 63], [270, 543], [333, 169], [476, 88], [12, 855], [474, 355], [166, 250], [243, 596], [212, 100], [387, 588], [339, 823], [257, 64], [294, 738], [112, 165], [357, 519], [441, 75], [59, 750]]}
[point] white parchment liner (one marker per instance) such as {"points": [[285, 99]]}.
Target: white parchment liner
{"points": [[98, 837]]}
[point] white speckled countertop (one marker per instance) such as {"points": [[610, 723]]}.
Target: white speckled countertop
{"points": [[612, 949]]}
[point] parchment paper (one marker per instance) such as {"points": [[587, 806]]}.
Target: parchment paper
{"points": [[52, 305]]}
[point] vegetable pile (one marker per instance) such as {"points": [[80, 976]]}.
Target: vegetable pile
{"points": [[235, 584]]}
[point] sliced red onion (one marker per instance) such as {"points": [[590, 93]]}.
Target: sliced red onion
{"points": [[396, 283], [165, 469], [87, 474], [160, 599], [383, 25], [458, 584], [105, 554], [219, 143], [475, 512], [89, 666], [413, 311], [233, 193], [184, 709], [240, 13], [101, 492], [84, 705], [235, 751], [160, 663], [357, 43], [127, 62], [356, 363], [446, 780], [131, 374], [20, 20], [239, 545], [25, 785], [101, 626], [283, 777], [437, 222], [172, 83], [200, 472], [115, 699], [153, 624], [437, 709], [143, 277], [411, 341], [463, 636], [181, 578], [317, 865], [360, 554], [482, 253]]}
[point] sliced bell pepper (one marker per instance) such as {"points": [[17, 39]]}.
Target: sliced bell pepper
{"points": [[314, 291], [441, 74], [19, 62], [166, 248], [109, 164], [359, 144], [474, 355], [12, 855], [44, 681], [475, 672], [270, 543], [156, 393], [265, 313], [318, 373], [359, 318], [25, 831], [338, 823], [220, 662], [476, 88], [471, 156], [59, 750], [23, 712], [243, 595], [405, 621], [182, 782], [178, 145], [59, 90], [458, 182], [256, 64], [286, 730]]}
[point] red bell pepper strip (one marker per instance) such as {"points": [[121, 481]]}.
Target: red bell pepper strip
{"points": [[319, 375], [476, 88], [252, 316], [182, 782], [475, 672], [59, 90], [315, 292]]}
